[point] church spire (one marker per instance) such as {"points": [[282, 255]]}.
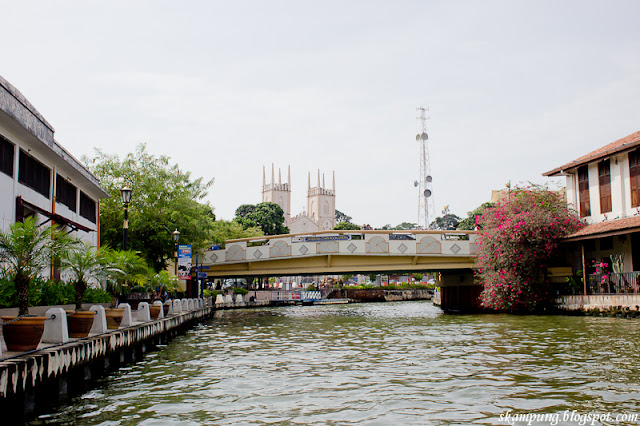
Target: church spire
{"points": [[279, 176], [264, 177], [334, 182], [289, 177], [273, 171]]}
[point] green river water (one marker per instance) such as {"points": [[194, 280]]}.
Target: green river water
{"points": [[378, 364]]}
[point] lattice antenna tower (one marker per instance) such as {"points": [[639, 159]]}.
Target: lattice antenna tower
{"points": [[426, 208]]}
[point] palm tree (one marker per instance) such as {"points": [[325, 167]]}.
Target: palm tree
{"points": [[27, 249], [86, 263], [127, 268]]}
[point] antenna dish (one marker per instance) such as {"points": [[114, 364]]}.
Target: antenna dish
{"points": [[418, 137], [424, 136], [429, 178], [415, 183], [427, 193]]}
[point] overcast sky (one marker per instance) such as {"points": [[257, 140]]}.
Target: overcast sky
{"points": [[514, 89]]}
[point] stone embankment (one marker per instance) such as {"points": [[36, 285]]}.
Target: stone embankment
{"points": [[382, 295], [62, 367]]}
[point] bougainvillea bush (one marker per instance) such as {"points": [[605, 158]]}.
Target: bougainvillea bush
{"points": [[517, 238]]}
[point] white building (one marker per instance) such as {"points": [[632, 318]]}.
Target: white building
{"points": [[38, 176], [603, 186], [321, 202]]}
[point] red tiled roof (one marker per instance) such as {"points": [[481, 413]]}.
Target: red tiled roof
{"points": [[620, 145], [610, 227]]}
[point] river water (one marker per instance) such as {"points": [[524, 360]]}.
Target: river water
{"points": [[383, 363]]}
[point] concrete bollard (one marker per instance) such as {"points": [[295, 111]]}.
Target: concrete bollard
{"points": [[185, 305], [127, 321], [219, 299], [176, 307], [228, 299], [159, 303], [144, 315], [192, 304], [100, 321], [56, 329], [239, 298]]}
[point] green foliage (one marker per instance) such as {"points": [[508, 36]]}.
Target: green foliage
{"points": [[341, 217], [164, 198], [25, 250], [43, 292], [404, 226], [448, 222], [240, 290], [417, 276], [469, 223], [223, 230], [128, 269], [399, 286], [269, 217], [346, 226]]}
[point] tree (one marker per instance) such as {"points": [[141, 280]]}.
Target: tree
{"points": [[223, 230], [127, 268], [341, 217], [164, 198], [517, 238], [269, 217], [448, 222], [346, 226], [27, 249], [469, 223], [404, 226], [84, 263]]}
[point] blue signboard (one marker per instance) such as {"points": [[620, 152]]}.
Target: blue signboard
{"points": [[184, 261]]}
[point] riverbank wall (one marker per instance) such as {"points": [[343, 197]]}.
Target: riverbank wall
{"points": [[382, 295], [602, 302]]}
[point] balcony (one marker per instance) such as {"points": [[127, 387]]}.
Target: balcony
{"points": [[613, 283]]}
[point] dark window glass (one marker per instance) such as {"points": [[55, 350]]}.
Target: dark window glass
{"points": [[634, 174], [583, 190], [66, 193], [7, 150], [87, 207], [604, 180], [34, 174]]}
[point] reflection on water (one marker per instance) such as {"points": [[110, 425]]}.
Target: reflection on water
{"points": [[387, 363]]}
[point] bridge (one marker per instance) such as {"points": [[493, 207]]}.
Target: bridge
{"points": [[338, 252]]}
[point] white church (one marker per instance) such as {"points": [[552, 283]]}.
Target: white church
{"points": [[321, 202]]}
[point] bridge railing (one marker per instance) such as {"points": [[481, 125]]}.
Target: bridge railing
{"points": [[370, 243]]}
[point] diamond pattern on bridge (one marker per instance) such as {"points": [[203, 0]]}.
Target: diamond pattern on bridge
{"points": [[213, 257], [455, 248], [257, 254], [402, 248], [352, 247], [303, 250]]}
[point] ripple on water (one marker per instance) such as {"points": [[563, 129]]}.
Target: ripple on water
{"points": [[393, 363]]}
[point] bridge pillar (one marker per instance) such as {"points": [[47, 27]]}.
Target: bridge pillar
{"points": [[458, 291]]}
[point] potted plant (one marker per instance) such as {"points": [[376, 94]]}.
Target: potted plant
{"points": [[26, 249], [159, 283], [128, 268], [84, 263]]}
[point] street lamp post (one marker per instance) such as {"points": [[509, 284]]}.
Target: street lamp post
{"points": [[176, 237], [126, 199]]}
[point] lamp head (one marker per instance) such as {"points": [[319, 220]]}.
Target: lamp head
{"points": [[126, 195], [176, 235]]}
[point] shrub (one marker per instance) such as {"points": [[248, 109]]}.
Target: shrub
{"points": [[240, 290], [517, 238]]}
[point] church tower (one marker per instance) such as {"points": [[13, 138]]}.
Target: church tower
{"points": [[321, 203], [279, 193]]}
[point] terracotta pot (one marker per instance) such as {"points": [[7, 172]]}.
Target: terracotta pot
{"points": [[155, 311], [24, 334], [166, 310], [80, 323], [114, 318]]}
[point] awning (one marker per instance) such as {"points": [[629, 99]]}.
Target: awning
{"points": [[21, 204], [609, 228]]}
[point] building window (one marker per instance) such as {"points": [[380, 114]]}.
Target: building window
{"points": [[7, 150], [34, 174], [583, 190], [604, 179], [634, 175], [66, 193], [87, 207]]}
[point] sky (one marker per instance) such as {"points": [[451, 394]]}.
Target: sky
{"points": [[513, 89]]}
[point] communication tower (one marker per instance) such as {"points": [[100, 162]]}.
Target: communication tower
{"points": [[426, 207]]}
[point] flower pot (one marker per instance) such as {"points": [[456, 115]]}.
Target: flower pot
{"points": [[114, 318], [80, 323], [23, 335], [166, 309], [154, 310]]}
